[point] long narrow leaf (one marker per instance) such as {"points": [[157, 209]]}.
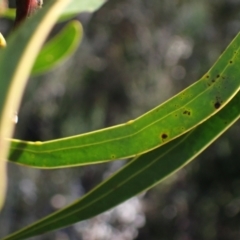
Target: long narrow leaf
{"points": [[15, 65], [164, 123], [139, 175]]}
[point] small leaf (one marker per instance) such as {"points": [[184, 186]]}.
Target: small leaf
{"points": [[59, 48]]}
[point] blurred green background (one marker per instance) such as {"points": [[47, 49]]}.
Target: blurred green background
{"points": [[135, 55]]}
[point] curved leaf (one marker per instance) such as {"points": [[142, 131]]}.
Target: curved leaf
{"points": [[15, 65], [59, 48], [164, 123], [139, 175]]}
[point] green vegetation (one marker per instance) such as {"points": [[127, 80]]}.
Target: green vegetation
{"points": [[160, 142]]}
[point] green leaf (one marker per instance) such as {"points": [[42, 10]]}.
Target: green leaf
{"points": [[9, 13], [76, 6], [139, 175], [15, 65], [59, 48], [164, 123]]}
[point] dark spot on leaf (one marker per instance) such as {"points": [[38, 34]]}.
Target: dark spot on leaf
{"points": [[218, 102], [113, 156], [164, 136], [187, 112], [207, 76], [218, 76], [217, 105], [213, 80], [230, 62]]}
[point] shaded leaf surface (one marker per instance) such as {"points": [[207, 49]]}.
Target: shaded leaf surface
{"points": [[15, 65], [140, 174]]}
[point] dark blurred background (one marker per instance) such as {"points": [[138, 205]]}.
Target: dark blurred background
{"points": [[135, 55]]}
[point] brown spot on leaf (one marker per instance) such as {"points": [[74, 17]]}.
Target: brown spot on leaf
{"points": [[187, 112], [217, 104], [164, 136]]}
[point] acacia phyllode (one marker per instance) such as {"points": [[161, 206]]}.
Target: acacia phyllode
{"points": [[25, 8]]}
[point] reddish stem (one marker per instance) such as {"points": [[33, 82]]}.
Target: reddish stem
{"points": [[25, 8]]}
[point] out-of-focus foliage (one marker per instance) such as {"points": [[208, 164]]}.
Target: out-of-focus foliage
{"points": [[59, 48], [135, 54], [15, 64]]}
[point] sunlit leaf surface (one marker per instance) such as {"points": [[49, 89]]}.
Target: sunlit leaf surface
{"points": [[175, 117]]}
